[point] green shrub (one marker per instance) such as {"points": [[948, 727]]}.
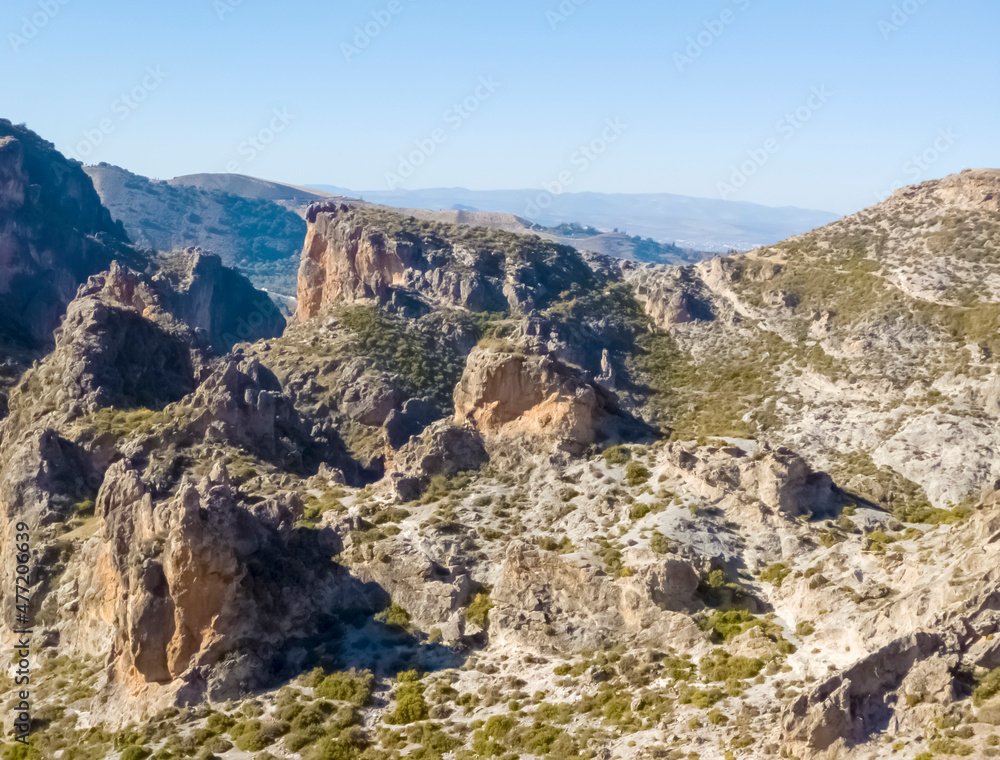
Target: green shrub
{"points": [[433, 743], [410, 703], [478, 612], [775, 574], [298, 739], [659, 543], [549, 544], [219, 722], [136, 753], [394, 616], [84, 509], [721, 666], [254, 735], [691, 695], [717, 718], [218, 744], [426, 364], [718, 579], [636, 474], [988, 686], [731, 623], [498, 726], [949, 747], [346, 686], [330, 748], [878, 540], [617, 455]]}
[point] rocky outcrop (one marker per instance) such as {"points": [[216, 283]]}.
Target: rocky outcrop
{"points": [[442, 449], [776, 478], [511, 394], [671, 296], [119, 347], [356, 253], [560, 604], [199, 589], [54, 234], [198, 290], [433, 594], [972, 189], [348, 257], [855, 705]]}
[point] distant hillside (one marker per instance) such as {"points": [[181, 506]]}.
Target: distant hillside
{"points": [[692, 223], [259, 236], [615, 244], [296, 199]]}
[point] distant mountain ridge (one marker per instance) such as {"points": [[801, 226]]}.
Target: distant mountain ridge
{"points": [[292, 197], [260, 231], [251, 222], [616, 244], [703, 224]]}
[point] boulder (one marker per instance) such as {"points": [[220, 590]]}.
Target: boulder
{"points": [[536, 396], [442, 449], [557, 604]]}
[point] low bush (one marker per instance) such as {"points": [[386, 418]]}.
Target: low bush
{"points": [[617, 455], [394, 616], [346, 686], [410, 703], [775, 574], [636, 474], [478, 613], [988, 686]]}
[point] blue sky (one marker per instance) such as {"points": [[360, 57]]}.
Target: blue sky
{"points": [[901, 80]]}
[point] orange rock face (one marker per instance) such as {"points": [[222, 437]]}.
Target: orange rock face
{"points": [[343, 263], [510, 394]]}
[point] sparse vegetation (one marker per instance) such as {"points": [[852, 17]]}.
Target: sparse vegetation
{"points": [[775, 574], [478, 612]]}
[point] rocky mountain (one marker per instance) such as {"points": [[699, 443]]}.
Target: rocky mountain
{"points": [[256, 234], [489, 496], [54, 233]]}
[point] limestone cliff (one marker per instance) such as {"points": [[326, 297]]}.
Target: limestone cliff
{"points": [[354, 253], [54, 234], [537, 396]]}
